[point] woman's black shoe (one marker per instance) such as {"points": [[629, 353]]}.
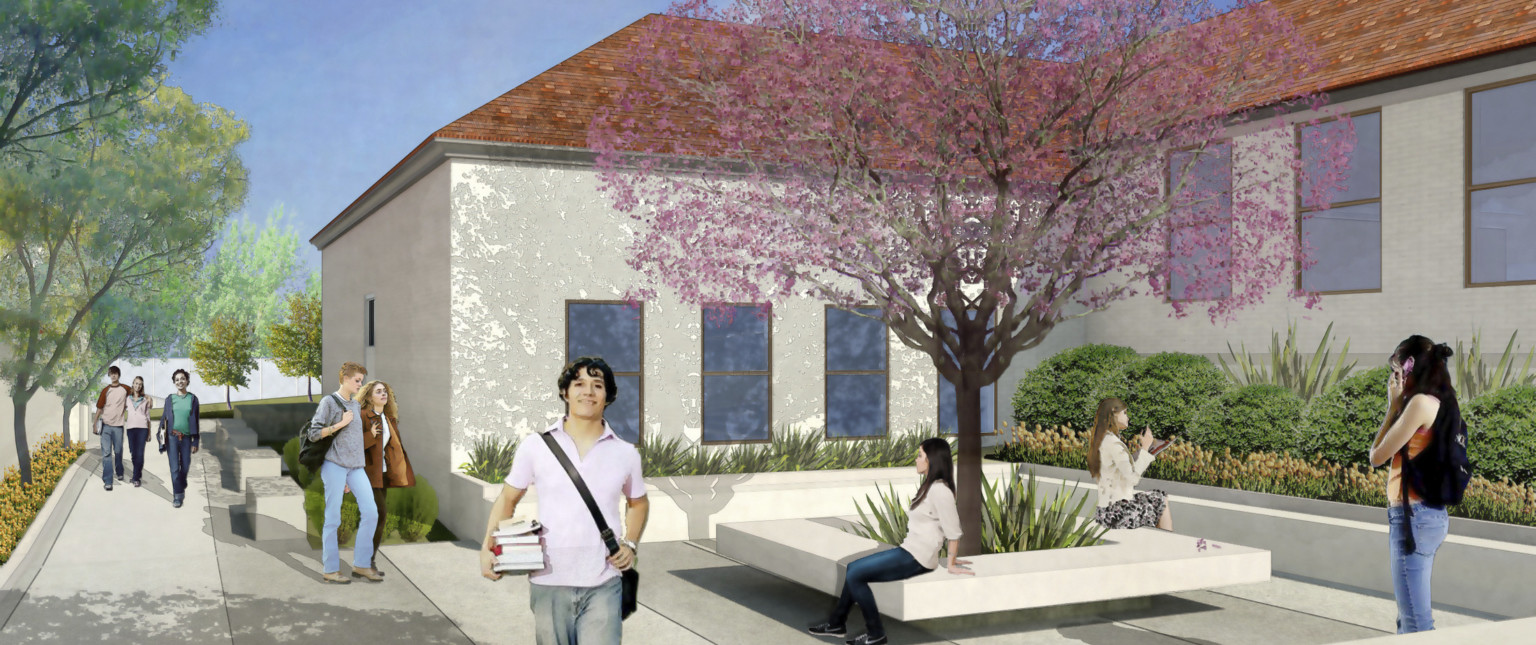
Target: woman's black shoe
{"points": [[828, 629], [864, 639]]}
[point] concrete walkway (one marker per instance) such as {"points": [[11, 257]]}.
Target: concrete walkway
{"points": [[126, 567]]}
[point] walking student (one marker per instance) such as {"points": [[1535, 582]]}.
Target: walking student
{"points": [[340, 415], [1116, 472], [577, 597], [931, 518], [384, 453], [111, 411], [137, 424], [179, 421], [1417, 391]]}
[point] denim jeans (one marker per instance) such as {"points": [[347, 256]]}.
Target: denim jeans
{"points": [[179, 449], [111, 451], [577, 615], [336, 479], [885, 566], [1411, 571], [136, 439]]}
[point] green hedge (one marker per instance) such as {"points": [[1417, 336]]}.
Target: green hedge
{"points": [[297, 470], [1059, 392], [411, 511], [1341, 423], [1248, 419], [1163, 391], [1501, 434]]}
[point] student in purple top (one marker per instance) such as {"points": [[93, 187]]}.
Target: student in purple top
{"points": [[576, 597]]}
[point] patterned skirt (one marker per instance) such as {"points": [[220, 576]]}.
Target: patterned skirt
{"points": [[1142, 509]]}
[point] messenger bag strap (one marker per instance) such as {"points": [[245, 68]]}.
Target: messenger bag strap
{"points": [[586, 495]]}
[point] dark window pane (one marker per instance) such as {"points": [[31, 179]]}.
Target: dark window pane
{"points": [[855, 405], [624, 413], [370, 322], [611, 331], [1346, 242], [855, 342], [1503, 234], [735, 408], [1363, 180], [1200, 251], [1207, 190], [949, 412], [1503, 134], [738, 346]]}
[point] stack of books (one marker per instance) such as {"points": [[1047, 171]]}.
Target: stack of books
{"points": [[517, 546]]}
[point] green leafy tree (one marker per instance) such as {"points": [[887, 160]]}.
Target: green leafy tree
{"points": [[135, 206], [226, 355], [68, 63], [249, 276], [122, 325], [295, 343]]}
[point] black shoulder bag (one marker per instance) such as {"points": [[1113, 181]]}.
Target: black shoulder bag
{"points": [[312, 451], [630, 577]]}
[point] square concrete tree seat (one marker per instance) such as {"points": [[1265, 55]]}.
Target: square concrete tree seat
{"points": [[256, 462], [1130, 564], [232, 435], [278, 498]]}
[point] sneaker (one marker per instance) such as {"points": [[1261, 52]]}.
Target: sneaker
{"points": [[376, 569], [137, 484], [176, 502], [336, 578], [828, 629], [108, 486], [367, 574], [864, 639], [119, 478]]}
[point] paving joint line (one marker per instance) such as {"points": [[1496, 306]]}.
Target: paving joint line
{"points": [[213, 534], [429, 599], [52, 528], [1298, 611]]}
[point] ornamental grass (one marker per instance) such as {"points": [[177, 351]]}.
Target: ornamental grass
{"points": [[1265, 472], [20, 503]]}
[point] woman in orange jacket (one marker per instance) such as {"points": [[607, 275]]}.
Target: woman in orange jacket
{"points": [[384, 455]]}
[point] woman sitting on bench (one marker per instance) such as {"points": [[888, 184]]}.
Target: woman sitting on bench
{"points": [[931, 519], [1111, 465]]}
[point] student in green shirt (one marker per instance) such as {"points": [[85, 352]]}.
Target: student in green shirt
{"points": [[179, 420]]}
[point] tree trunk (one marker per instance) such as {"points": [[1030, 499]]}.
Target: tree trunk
{"points": [[309, 388], [227, 404], [65, 431], [19, 418], [968, 466]]}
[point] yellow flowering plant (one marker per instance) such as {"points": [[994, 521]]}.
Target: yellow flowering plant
{"points": [[19, 502]]}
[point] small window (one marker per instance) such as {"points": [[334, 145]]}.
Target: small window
{"points": [[1501, 184], [857, 374], [1200, 224], [737, 364], [949, 412], [612, 331], [1345, 238], [369, 316]]}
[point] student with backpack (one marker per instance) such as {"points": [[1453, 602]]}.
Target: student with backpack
{"points": [[334, 443], [1425, 438]]}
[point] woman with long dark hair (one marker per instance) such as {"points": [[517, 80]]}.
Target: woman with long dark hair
{"points": [[1419, 395], [1114, 469], [931, 519]]}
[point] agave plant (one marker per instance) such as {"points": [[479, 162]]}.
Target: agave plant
{"points": [[800, 450], [1474, 378], [887, 519], [1286, 367], [490, 458]]}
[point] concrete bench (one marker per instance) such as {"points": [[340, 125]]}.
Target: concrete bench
{"points": [[256, 462], [1130, 564], [278, 498], [233, 435]]}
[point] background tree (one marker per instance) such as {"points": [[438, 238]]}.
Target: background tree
{"points": [[137, 205], [295, 342], [968, 167], [122, 325], [254, 267], [67, 63], [226, 354]]}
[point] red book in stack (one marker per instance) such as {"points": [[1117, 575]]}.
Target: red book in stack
{"points": [[518, 547]]}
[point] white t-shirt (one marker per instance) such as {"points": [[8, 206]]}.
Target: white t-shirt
{"points": [[382, 461]]}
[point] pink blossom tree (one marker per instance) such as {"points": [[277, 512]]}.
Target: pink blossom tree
{"points": [[969, 167]]}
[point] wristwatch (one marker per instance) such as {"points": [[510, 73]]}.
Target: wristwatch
{"points": [[634, 548]]}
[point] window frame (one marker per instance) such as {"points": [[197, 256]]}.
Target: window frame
{"points": [[1468, 188], [703, 329], [640, 396], [1381, 235], [1168, 191], [826, 381]]}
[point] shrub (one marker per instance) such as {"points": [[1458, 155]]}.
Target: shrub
{"points": [[1501, 434], [298, 471], [1059, 392], [1473, 376], [1163, 391], [490, 458], [19, 502], [1248, 419], [416, 506], [314, 509], [1341, 423], [790, 450]]}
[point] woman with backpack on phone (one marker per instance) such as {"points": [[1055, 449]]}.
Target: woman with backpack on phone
{"points": [[1418, 392]]}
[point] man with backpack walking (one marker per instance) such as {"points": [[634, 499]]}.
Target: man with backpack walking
{"points": [[112, 411], [333, 446]]}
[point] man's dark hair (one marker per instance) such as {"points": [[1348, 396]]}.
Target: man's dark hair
{"points": [[182, 372], [588, 365], [113, 370]]}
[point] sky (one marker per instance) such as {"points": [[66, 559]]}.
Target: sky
{"points": [[336, 92]]}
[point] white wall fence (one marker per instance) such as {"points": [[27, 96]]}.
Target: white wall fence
{"points": [[263, 383]]}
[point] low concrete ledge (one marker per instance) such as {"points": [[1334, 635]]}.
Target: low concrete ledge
{"points": [[1131, 564], [256, 462], [279, 498]]}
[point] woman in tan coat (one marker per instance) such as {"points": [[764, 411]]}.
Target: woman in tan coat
{"points": [[384, 455]]}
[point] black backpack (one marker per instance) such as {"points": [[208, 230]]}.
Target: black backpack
{"points": [[1440, 473], [312, 453]]}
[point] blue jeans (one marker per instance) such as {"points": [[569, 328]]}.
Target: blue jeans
{"points": [[1411, 571], [885, 566], [336, 479], [136, 439], [179, 449], [577, 615], [111, 451]]}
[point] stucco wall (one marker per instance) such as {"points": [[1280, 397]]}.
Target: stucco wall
{"points": [[1423, 141], [399, 255], [45, 416]]}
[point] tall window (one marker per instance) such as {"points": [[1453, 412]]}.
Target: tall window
{"points": [[1200, 229], [1345, 238], [613, 331], [858, 374], [368, 321], [949, 400], [1501, 184], [737, 367]]}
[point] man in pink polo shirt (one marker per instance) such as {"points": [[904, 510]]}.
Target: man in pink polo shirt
{"points": [[576, 597]]}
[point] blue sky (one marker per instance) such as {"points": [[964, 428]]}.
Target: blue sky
{"points": [[336, 92]]}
